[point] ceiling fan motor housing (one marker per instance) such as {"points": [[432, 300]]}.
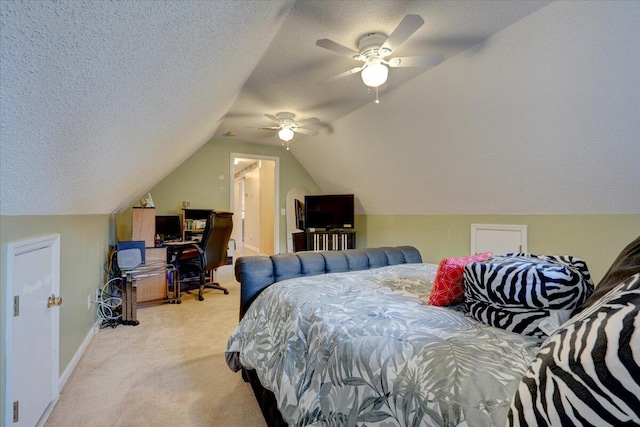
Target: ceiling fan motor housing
{"points": [[371, 43], [285, 116]]}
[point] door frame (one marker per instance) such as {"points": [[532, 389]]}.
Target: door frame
{"points": [[276, 191], [19, 248], [238, 231]]}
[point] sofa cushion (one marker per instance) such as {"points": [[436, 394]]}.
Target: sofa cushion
{"points": [[518, 291], [448, 287], [587, 373]]}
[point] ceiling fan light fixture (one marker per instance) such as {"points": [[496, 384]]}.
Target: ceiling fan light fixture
{"points": [[374, 74], [285, 134]]}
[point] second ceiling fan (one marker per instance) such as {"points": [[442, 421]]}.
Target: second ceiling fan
{"points": [[375, 48], [287, 126]]}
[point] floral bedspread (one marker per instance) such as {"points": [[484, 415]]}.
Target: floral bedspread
{"points": [[364, 348]]}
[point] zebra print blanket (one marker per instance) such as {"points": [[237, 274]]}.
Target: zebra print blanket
{"points": [[364, 348]]}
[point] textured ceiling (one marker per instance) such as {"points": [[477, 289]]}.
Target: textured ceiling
{"points": [[543, 119], [100, 100], [292, 75]]}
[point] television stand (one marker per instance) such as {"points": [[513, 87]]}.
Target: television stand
{"points": [[328, 240]]}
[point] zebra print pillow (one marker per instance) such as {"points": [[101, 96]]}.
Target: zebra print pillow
{"points": [[587, 372], [517, 292]]}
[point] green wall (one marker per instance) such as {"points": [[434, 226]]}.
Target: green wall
{"points": [[85, 238], [597, 239], [84, 245], [198, 181]]}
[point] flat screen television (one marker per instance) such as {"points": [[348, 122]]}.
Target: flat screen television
{"points": [[168, 227], [329, 211]]}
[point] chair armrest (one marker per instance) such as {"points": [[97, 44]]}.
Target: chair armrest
{"points": [[180, 251]]}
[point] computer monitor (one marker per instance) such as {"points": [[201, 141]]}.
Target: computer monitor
{"points": [[168, 227]]}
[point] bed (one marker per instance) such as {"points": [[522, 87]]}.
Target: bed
{"points": [[348, 338]]}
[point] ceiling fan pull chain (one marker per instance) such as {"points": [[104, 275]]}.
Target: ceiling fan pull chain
{"points": [[377, 100]]}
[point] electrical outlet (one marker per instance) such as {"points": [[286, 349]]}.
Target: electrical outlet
{"points": [[98, 295], [88, 302]]}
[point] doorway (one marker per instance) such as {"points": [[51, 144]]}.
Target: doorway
{"points": [[255, 201]]}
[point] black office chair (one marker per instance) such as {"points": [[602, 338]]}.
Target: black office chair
{"points": [[192, 262]]}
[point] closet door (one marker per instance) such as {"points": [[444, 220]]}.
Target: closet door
{"points": [[33, 330], [498, 238]]}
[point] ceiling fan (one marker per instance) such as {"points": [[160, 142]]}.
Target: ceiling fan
{"points": [[287, 126], [374, 48]]}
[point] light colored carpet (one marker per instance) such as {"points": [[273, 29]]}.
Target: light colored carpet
{"points": [[169, 370]]}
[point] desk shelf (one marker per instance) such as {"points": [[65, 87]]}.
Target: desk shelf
{"points": [[190, 216]]}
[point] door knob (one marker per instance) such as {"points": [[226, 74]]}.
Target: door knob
{"points": [[54, 301]]}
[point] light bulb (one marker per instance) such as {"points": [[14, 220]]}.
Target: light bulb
{"points": [[375, 74], [285, 134]]}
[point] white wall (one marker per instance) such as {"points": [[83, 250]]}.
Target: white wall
{"points": [[541, 118]]}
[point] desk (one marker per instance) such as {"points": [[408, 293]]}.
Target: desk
{"points": [[173, 285], [180, 243], [173, 247], [144, 285]]}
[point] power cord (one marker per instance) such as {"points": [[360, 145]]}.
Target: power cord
{"points": [[109, 302]]}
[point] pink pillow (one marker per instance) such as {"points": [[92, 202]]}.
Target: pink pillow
{"points": [[448, 286]]}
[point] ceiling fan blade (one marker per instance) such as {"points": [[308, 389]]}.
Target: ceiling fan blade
{"points": [[345, 74], [309, 121], [417, 61], [337, 48], [403, 31], [272, 117], [264, 127], [305, 131]]}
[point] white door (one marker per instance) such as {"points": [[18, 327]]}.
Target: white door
{"points": [[33, 371], [498, 238]]}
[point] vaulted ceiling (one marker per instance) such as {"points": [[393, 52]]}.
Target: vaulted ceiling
{"points": [[294, 74], [520, 117]]}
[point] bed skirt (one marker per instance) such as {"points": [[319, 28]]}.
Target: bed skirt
{"points": [[266, 399]]}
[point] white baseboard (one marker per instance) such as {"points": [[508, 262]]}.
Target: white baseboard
{"points": [[76, 357], [68, 371], [45, 415]]}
